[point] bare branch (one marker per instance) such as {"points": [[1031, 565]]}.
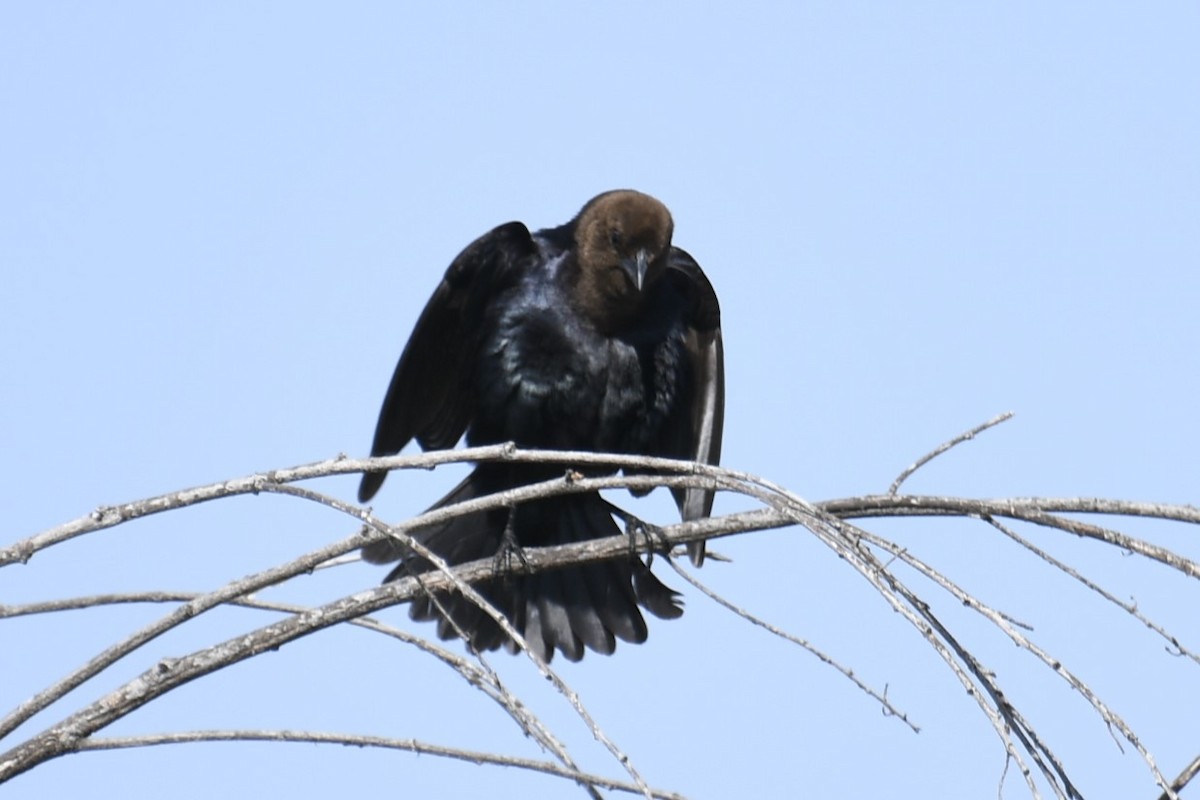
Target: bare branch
{"points": [[177, 617], [170, 673], [1032, 509], [482, 677], [888, 708], [930, 456], [873, 557], [1185, 777], [356, 740], [1130, 608], [1001, 621]]}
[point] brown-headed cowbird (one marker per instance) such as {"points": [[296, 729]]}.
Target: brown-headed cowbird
{"points": [[595, 335]]}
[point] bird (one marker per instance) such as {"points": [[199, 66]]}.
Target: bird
{"points": [[599, 335]]}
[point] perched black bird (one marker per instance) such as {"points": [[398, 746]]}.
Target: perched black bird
{"points": [[595, 335]]}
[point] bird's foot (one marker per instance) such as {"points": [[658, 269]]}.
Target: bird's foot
{"points": [[655, 536], [509, 549]]}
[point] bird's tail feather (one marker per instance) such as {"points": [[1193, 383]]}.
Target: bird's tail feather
{"points": [[587, 606]]}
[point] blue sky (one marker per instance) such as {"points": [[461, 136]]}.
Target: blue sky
{"points": [[219, 222]]}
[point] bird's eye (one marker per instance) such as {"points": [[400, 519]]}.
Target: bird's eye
{"points": [[614, 238]]}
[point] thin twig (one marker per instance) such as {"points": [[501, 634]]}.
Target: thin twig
{"points": [[889, 709], [1005, 719], [1130, 608], [931, 455], [482, 677], [358, 740], [178, 616], [1110, 717], [842, 537]]}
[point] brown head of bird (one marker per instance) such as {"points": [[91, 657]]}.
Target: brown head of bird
{"points": [[622, 241]]}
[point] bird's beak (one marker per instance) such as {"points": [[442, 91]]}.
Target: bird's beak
{"points": [[636, 267]]}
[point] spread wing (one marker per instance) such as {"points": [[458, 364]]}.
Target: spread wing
{"points": [[699, 422], [430, 397]]}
